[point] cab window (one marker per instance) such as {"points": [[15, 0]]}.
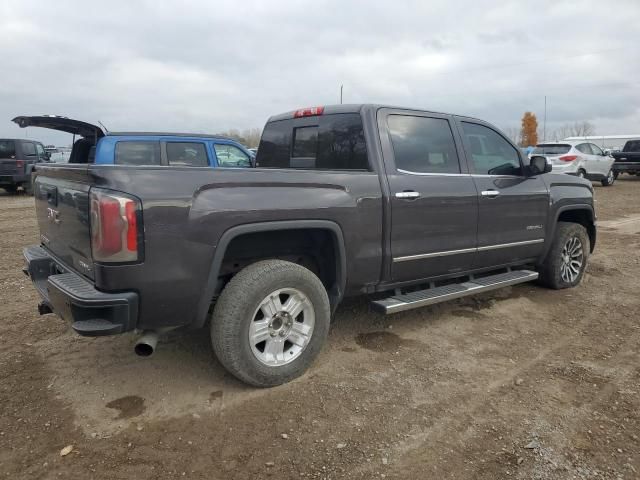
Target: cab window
{"points": [[187, 154], [231, 156], [491, 154]]}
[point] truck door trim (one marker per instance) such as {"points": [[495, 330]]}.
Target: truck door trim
{"points": [[444, 253]]}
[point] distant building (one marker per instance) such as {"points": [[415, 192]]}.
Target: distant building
{"points": [[607, 142]]}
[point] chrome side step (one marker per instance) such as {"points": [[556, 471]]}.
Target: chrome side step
{"points": [[430, 296]]}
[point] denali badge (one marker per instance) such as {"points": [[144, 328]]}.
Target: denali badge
{"points": [[53, 215], [534, 227]]}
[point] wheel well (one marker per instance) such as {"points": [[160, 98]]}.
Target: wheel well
{"points": [[314, 249], [584, 218]]}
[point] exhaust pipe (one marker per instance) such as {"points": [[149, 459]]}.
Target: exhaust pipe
{"points": [[146, 344]]}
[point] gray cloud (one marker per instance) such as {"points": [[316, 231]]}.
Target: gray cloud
{"points": [[210, 66]]}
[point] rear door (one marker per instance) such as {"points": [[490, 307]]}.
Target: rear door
{"points": [[512, 208], [434, 202], [602, 162]]}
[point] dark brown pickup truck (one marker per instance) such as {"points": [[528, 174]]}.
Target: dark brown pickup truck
{"points": [[396, 203]]}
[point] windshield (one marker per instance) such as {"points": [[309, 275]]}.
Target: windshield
{"points": [[7, 149], [552, 149], [632, 146]]}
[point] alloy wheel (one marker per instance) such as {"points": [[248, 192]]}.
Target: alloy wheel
{"points": [[572, 260], [281, 327]]}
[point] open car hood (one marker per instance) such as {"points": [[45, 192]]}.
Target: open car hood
{"points": [[63, 124]]}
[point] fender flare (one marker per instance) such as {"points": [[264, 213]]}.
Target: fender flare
{"points": [[336, 293], [556, 219]]}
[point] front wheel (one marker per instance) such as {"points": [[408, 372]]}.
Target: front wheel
{"points": [[610, 179], [567, 258], [270, 322]]}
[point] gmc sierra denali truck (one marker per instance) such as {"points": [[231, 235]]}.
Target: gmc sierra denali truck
{"points": [[408, 206]]}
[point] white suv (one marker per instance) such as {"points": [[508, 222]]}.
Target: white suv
{"points": [[578, 158]]}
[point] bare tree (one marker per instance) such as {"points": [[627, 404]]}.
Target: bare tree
{"points": [[513, 133], [248, 137], [577, 129]]}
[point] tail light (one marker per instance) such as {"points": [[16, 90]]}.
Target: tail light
{"points": [[568, 158], [20, 164], [308, 112], [116, 227]]}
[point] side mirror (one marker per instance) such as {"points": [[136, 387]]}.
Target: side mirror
{"points": [[539, 164]]}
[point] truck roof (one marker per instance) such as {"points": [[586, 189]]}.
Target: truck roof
{"points": [[166, 134], [352, 108]]}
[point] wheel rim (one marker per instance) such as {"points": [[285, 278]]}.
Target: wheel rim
{"points": [[572, 260], [611, 177], [581, 174], [281, 327]]}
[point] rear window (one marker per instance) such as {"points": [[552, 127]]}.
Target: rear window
{"points": [[7, 148], [138, 153], [632, 146], [555, 149], [188, 154], [326, 142]]}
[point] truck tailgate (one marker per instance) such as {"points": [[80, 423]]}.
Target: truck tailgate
{"points": [[62, 210]]}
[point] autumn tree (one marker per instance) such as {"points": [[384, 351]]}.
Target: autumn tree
{"points": [[529, 130]]}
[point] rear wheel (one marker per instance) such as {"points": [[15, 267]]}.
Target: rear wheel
{"points": [[582, 173], [610, 179], [270, 322], [567, 258], [10, 189]]}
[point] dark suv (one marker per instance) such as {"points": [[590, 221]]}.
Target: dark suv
{"points": [[17, 159]]}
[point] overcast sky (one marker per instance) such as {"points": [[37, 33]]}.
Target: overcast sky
{"points": [[208, 66]]}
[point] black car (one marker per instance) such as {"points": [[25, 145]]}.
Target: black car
{"points": [[17, 159]]}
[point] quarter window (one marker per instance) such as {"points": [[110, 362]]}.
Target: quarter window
{"points": [[423, 144], [596, 150], [584, 148], [138, 153], [231, 156], [40, 150], [28, 149], [187, 154], [490, 153]]}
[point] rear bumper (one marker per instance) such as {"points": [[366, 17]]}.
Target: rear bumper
{"points": [[626, 167], [93, 313], [13, 179]]}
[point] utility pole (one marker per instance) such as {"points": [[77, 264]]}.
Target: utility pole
{"points": [[544, 128], [341, 93]]}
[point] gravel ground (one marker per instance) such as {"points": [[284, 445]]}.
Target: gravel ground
{"points": [[523, 383]]}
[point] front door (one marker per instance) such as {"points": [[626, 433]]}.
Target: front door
{"points": [[434, 202], [512, 207]]}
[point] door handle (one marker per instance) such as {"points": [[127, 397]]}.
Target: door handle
{"points": [[490, 193], [408, 195]]}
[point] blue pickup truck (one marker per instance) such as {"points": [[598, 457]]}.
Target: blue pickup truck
{"points": [[96, 146]]}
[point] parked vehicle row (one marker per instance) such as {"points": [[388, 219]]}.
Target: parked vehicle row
{"points": [[582, 159], [18, 158], [413, 206]]}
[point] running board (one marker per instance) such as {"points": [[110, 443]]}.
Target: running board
{"points": [[430, 296]]}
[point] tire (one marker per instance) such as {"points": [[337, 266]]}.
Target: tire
{"points": [[10, 189], [553, 271], [610, 179], [239, 313], [582, 173], [28, 188]]}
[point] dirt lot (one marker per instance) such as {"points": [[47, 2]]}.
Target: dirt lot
{"points": [[524, 383]]}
